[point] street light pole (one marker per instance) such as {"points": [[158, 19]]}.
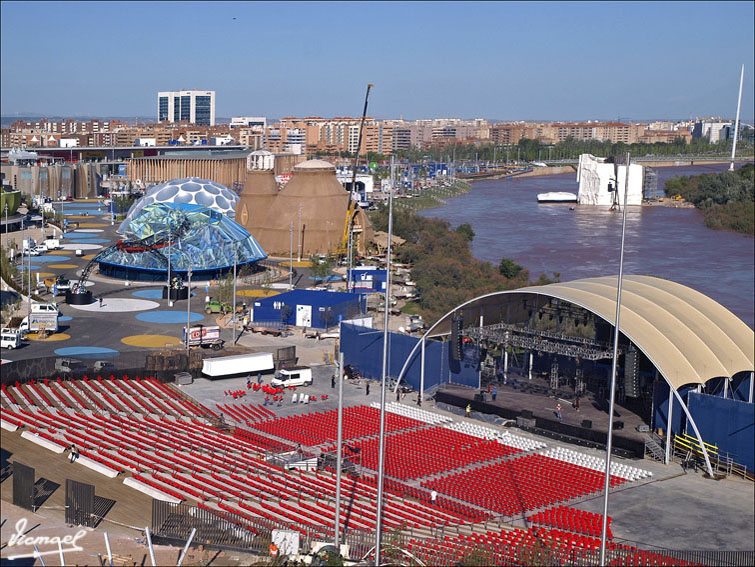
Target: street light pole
{"points": [[381, 443], [170, 251], [235, 250], [291, 259], [188, 313]]}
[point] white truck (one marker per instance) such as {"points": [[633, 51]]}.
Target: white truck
{"points": [[294, 376], [50, 243], [239, 365], [39, 321]]}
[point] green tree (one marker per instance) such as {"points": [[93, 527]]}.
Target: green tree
{"points": [[509, 268], [466, 231], [321, 267]]}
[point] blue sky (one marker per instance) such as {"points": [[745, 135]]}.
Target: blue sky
{"points": [[495, 60]]}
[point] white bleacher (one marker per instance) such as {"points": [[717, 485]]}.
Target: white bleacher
{"points": [[596, 463], [413, 413], [503, 437]]}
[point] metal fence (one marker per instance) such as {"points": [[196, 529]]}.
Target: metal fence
{"points": [[80, 504], [23, 486], [163, 365]]}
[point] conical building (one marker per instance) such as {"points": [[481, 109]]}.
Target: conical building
{"points": [[260, 189], [315, 204]]}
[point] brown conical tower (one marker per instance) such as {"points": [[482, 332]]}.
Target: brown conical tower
{"points": [[259, 192], [323, 202]]}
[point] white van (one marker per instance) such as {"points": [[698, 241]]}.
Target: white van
{"points": [[294, 376], [10, 338]]}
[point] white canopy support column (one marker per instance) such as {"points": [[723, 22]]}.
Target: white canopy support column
{"points": [[697, 432], [668, 425]]}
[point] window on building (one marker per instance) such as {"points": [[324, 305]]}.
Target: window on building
{"points": [[186, 108]]}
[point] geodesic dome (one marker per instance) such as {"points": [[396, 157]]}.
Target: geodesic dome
{"points": [[192, 236], [188, 191]]}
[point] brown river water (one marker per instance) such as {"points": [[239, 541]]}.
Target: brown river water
{"points": [[667, 242]]}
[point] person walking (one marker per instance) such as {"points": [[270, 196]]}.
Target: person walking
{"points": [[74, 453], [576, 403], [367, 389], [558, 411], [100, 301], [469, 410], [333, 381], [495, 393]]}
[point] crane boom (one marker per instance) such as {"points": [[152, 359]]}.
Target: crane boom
{"points": [[346, 246]]}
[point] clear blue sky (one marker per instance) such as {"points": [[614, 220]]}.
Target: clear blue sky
{"points": [[496, 60]]}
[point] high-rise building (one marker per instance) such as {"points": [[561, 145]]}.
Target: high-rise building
{"points": [[197, 107]]}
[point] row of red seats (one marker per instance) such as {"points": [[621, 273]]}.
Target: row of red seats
{"points": [[317, 428], [425, 452], [524, 483], [572, 519]]}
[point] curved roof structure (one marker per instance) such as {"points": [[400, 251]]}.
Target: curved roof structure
{"points": [[208, 240], [188, 191], [689, 337]]}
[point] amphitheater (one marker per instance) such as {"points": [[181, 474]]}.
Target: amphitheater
{"points": [[242, 462]]}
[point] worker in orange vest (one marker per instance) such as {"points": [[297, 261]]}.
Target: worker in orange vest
{"points": [[273, 549]]}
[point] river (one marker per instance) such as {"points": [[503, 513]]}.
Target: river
{"points": [[671, 243]]}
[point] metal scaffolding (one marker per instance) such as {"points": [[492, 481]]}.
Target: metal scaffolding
{"points": [[506, 335]]}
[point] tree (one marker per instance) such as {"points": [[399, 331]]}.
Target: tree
{"points": [[509, 268], [321, 267], [466, 231]]}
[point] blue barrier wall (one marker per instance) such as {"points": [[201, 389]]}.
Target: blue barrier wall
{"points": [[660, 408], [362, 348], [728, 424]]}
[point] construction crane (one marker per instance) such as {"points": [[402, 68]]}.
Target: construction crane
{"points": [[347, 240]]}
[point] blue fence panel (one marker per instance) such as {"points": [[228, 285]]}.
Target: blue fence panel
{"points": [[362, 348], [728, 424], [660, 405]]}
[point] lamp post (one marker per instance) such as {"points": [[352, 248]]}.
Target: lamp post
{"points": [[170, 250], [381, 443], [290, 258], [6, 224], [188, 313], [235, 250], [609, 442]]}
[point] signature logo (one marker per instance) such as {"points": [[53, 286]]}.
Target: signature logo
{"points": [[20, 540]]}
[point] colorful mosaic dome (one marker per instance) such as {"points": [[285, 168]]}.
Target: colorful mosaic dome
{"points": [[191, 235], [188, 191]]}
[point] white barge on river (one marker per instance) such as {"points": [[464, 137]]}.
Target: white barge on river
{"points": [[557, 197]]}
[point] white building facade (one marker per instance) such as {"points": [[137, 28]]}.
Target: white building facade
{"points": [[196, 107]]}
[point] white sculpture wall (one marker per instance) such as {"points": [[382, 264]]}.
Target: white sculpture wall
{"points": [[594, 176]]}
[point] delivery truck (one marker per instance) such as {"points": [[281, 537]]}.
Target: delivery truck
{"points": [[46, 322]]}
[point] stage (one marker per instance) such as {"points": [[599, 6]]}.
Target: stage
{"points": [[533, 404]]}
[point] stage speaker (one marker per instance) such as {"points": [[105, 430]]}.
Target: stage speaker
{"points": [[456, 349], [526, 414], [587, 423], [618, 425], [632, 374]]}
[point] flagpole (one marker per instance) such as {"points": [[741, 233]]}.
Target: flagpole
{"points": [[609, 443]]}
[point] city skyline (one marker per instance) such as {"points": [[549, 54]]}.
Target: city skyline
{"points": [[498, 61]]}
